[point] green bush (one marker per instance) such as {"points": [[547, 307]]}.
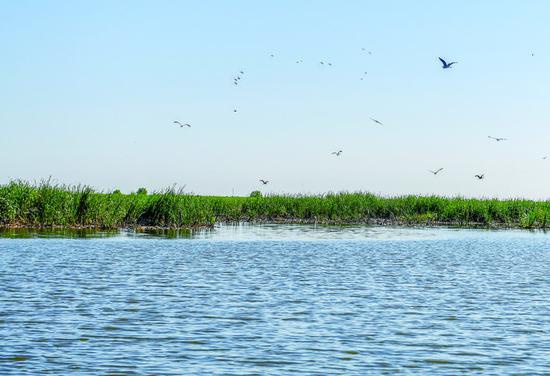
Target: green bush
{"points": [[255, 194]]}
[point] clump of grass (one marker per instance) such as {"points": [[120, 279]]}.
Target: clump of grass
{"points": [[50, 204]]}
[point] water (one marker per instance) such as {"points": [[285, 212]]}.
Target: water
{"points": [[276, 300]]}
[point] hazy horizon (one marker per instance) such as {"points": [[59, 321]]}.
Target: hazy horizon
{"points": [[90, 93]]}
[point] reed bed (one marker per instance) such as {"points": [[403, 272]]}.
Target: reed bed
{"points": [[53, 205]]}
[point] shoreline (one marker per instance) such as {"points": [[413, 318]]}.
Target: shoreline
{"points": [[378, 222]]}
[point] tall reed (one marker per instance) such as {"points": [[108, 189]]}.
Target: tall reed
{"points": [[49, 204]]}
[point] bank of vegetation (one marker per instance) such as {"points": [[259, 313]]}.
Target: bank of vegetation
{"points": [[52, 205]]}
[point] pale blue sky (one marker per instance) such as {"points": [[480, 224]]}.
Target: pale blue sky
{"points": [[89, 91]]}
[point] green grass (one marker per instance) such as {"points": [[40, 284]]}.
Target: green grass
{"points": [[47, 204]]}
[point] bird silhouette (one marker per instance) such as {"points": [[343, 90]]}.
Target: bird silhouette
{"points": [[376, 121], [480, 177], [337, 153], [182, 124], [447, 65], [497, 139], [435, 172], [264, 182]]}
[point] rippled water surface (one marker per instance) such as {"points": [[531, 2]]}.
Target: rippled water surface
{"points": [[277, 300]]}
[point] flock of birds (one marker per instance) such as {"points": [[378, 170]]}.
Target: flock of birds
{"points": [[444, 65]]}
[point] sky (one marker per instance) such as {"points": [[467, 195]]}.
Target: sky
{"points": [[90, 90]]}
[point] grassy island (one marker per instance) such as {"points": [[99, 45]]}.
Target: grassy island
{"points": [[51, 205]]}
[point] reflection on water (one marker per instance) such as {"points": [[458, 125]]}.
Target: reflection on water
{"points": [[28, 233], [291, 232], [276, 300]]}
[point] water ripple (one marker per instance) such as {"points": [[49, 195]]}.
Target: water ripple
{"points": [[129, 306]]}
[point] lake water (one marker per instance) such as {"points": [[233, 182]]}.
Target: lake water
{"points": [[275, 300]]}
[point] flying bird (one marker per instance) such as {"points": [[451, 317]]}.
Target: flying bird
{"points": [[545, 157], [337, 153], [497, 139], [264, 182], [447, 65], [480, 177], [235, 110], [182, 124], [435, 172], [376, 121]]}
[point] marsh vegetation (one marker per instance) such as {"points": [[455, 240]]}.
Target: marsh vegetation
{"points": [[47, 204]]}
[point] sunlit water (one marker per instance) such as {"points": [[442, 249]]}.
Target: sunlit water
{"points": [[277, 300]]}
